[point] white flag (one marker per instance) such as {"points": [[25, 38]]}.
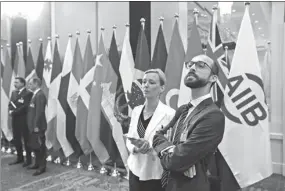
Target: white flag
{"points": [[246, 142]]}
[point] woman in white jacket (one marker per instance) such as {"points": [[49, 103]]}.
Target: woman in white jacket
{"points": [[143, 162]]}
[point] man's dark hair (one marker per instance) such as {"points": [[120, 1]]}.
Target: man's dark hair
{"points": [[22, 80], [37, 81]]}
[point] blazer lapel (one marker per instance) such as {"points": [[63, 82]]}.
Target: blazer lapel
{"points": [[156, 118], [34, 96], [197, 110], [22, 93]]}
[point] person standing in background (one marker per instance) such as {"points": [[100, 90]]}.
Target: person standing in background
{"points": [[18, 106], [37, 125]]}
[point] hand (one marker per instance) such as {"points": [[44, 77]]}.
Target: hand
{"points": [[144, 148], [167, 135], [10, 112], [36, 130], [191, 172], [137, 142]]}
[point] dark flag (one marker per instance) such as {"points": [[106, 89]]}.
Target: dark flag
{"points": [[160, 52]]}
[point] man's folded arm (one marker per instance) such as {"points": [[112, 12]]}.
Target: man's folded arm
{"points": [[23, 108], [160, 143], [204, 139]]}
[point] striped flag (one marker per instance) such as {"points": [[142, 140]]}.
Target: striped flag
{"points": [[121, 105], [16, 62], [21, 68], [127, 63], [160, 52], [194, 48], [19, 64], [84, 90], [51, 111], [94, 114], [246, 115], [215, 50], [108, 120], [2, 66], [62, 105], [40, 62], [142, 63], [72, 97], [5, 96], [47, 69], [173, 69], [30, 66]]}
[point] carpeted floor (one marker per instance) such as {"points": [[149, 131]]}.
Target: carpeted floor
{"points": [[62, 178], [57, 178]]}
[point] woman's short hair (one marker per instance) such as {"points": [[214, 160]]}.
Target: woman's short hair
{"points": [[160, 73]]}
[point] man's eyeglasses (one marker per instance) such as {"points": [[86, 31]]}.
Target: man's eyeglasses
{"points": [[198, 64]]}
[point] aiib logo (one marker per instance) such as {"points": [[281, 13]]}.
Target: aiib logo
{"points": [[245, 94]]}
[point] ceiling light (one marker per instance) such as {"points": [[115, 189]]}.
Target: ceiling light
{"points": [[256, 21], [259, 28], [233, 10], [31, 10], [225, 7], [253, 14]]}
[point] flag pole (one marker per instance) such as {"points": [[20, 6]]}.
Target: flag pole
{"points": [[115, 172], [213, 27], [196, 14], [9, 150], [114, 30], [161, 19], [226, 53], [3, 149], [90, 166], [142, 22], [79, 164], [176, 16]]}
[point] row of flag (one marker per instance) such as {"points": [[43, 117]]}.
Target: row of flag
{"points": [[84, 91]]}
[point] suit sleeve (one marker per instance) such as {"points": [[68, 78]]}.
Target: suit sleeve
{"points": [[23, 108], [204, 139], [10, 106], [160, 142], [40, 103]]}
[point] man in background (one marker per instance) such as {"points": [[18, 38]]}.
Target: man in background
{"points": [[37, 125], [18, 106]]}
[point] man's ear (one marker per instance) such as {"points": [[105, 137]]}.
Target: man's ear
{"points": [[213, 78]]}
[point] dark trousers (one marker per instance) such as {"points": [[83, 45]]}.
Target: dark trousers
{"points": [[149, 185], [20, 130], [40, 153]]}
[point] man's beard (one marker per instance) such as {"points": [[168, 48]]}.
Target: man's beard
{"points": [[196, 83]]}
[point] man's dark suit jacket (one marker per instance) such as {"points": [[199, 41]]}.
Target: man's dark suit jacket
{"points": [[204, 128], [36, 112], [21, 101]]}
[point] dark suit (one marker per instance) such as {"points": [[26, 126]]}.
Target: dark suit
{"points": [[37, 119], [204, 129], [19, 108]]}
